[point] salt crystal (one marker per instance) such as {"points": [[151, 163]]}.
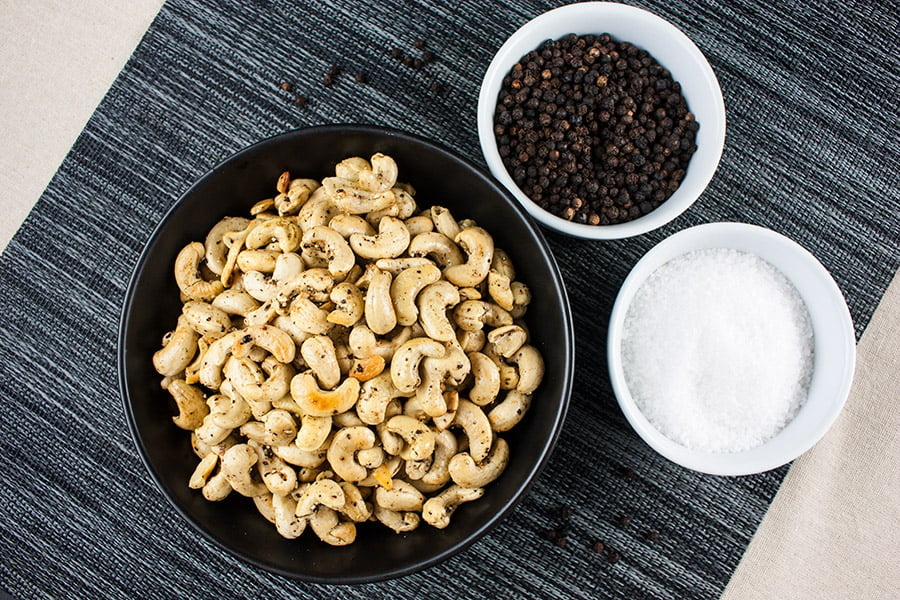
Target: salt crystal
{"points": [[717, 349]]}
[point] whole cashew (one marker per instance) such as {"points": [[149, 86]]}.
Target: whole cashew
{"points": [[395, 265], [265, 506], [215, 247], [228, 412], [521, 299], [346, 225], [445, 447], [319, 354], [355, 507], [508, 413], [275, 428], [500, 290], [295, 196], [187, 274], [257, 260], [479, 246], [364, 344], [273, 387], [466, 472], [420, 224], [502, 264], [381, 177], [436, 245], [327, 525], [217, 488], [473, 315], [206, 319], [531, 368], [203, 470], [437, 510], [379, 310], [192, 407], [451, 401], [471, 341], [291, 453], [444, 222], [371, 458], [347, 419], [178, 350], [406, 287], [390, 241], [355, 200], [342, 452], [323, 492], [326, 243], [404, 206], [433, 302], [286, 521], [365, 369], [418, 437], [313, 432], [401, 497], [234, 302], [318, 210], [477, 428], [318, 403], [350, 168], [400, 522], [268, 337], [405, 363], [237, 464], [374, 398], [486, 375], [349, 305], [280, 230], [308, 317], [277, 476]]}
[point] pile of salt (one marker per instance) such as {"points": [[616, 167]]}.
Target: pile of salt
{"points": [[718, 350]]}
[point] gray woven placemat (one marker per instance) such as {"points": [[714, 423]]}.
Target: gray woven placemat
{"points": [[811, 152]]}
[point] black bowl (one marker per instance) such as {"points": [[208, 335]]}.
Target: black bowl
{"points": [[152, 306]]}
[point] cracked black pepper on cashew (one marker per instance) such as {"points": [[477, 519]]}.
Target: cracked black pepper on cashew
{"points": [[344, 356]]}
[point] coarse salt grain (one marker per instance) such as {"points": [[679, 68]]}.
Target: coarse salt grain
{"points": [[717, 350]]}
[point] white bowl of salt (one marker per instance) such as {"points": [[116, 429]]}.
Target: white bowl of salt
{"points": [[730, 349]]}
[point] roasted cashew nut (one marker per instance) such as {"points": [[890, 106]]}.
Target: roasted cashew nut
{"points": [[486, 376], [235, 302], [347, 225], [444, 222], [395, 265], [406, 359], [374, 398], [531, 368], [280, 230], [418, 437], [438, 510], [379, 309], [268, 337], [298, 192], [324, 492], [381, 177], [275, 384], [326, 243], [391, 240], [406, 287], [319, 355], [419, 224], [227, 411], [342, 452], [316, 402], [326, 524], [313, 432], [178, 350], [467, 473], [479, 247], [277, 476], [237, 465], [401, 497], [355, 507], [349, 305], [288, 524], [187, 274], [318, 210], [445, 447], [275, 428], [206, 319], [521, 299], [508, 413], [500, 290], [364, 344], [191, 403], [216, 250], [473, 315], [308, 317], [263, 261], [507, 339], [437, 245], [477, 428], [400, 522], [433, 303], [354, 200]]}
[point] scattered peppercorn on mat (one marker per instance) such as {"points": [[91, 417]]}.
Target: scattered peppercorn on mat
{"points": [[811, 153]]}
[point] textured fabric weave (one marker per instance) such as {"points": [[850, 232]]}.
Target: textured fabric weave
{"points": [[811, 152]]}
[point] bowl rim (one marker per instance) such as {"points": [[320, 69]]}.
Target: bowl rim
{"points": [[531, 475], [728, 464], [644, 224]]}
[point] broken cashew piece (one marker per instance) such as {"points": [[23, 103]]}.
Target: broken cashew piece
{"points": [[316, 402]]}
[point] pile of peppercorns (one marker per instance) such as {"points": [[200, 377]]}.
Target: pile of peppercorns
{"points": [[593, 130]]}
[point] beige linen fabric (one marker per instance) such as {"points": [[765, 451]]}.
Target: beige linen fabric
{"points": [[57, 59], [833, 530]]}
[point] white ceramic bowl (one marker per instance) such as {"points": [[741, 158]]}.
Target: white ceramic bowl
{"points": [[670, 47], [834, 347]]}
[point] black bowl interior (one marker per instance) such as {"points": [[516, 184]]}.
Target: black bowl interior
{"points": [[152, 306]]}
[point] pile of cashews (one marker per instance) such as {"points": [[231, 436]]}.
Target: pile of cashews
{"points": [[336, 374]]}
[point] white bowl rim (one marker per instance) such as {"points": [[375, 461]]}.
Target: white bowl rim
{"points": [[828, 299], [713, 150]]}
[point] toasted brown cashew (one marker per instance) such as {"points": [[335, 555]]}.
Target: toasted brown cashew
{"points": [[508, 413], [479, 247], [400, 522], [342, 452], [235, 302], [319, 354], [178, 350], [507, 339], [406, 287], [280, 230], [401, 497], [437, 510], [365, 369], [347, 225], [323, 492], [418, 437], [206, 319], [379, 310], [477, 428], [531, 368], [216, 249], [466, 472], [187, 274], [326, 524], [438, 246], [191, 403], [433, 303], [268, 337], [326, 243], [237, 465], [405, 363], [318, 403], [486, 375], [445, 447], [391, 240]]}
